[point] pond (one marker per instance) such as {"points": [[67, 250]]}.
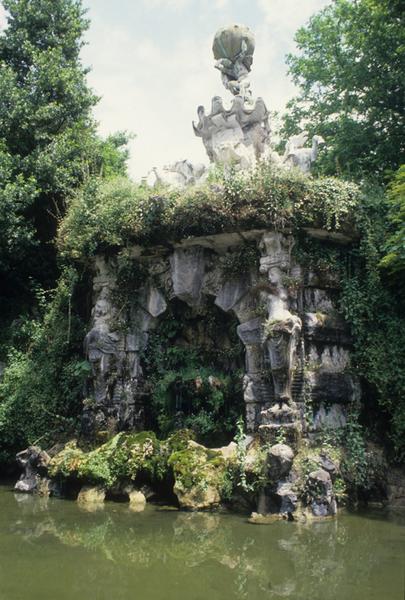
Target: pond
{"points": [[52, 549]]}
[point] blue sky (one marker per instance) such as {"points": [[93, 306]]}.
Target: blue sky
{"points": [[152, 65]]}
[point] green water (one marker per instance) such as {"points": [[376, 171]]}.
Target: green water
{"points": [[52, 549]]}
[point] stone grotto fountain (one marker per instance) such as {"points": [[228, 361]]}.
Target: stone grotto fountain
{"points": [[296, 346]]}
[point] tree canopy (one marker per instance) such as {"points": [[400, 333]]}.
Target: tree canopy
{"points": [[48, 140], [350, 69]]}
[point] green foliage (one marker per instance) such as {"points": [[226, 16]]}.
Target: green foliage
{"points": [[350, 71], [196, 398], [240, 261], [394, 259], [355, 465], [374, 312], [122, 458], [245, 474], [190, 366], [118, 213], [41, 386]]}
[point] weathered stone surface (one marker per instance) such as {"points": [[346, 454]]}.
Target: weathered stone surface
{"points": [[187, 272], [34, 463], [199, 476], [280, 458], [276, 346], [327, 464], [288, 497], [232, 292], [178, 175], [154, 302], [326, 328], [331, 417], [251, 331], [396, 488], [137, 501]]}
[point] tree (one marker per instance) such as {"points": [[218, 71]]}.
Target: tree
{"points": [[394, 259], [350, 68], [48, 140]]}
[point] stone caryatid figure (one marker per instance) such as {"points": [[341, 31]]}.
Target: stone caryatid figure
{"points": [[238, 135], [282, 329]]}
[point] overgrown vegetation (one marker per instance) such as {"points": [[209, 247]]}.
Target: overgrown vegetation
{"points": [[372, 305], [193, 365], [41, 388], [126, 457], [116, 213]]}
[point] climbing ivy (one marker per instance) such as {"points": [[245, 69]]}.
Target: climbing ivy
{"points": [[374, 310]]}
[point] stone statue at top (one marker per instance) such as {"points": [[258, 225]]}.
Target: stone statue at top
{"points": [[233, 49], [238, 135]]}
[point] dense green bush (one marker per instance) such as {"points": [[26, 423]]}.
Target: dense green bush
{"points": [[125, 457], [375, 312], [41, 387], [394, 259], [111, 214]]}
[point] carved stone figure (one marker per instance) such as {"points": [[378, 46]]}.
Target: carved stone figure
{"points": [[282, 328], [179, 174], [238, 135], [297, 156], [233, 49]]}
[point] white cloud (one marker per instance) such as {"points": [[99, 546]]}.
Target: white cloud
{"points": [[174, 4], [286, 16]]}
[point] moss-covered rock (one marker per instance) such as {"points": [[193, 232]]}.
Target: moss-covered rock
{"points": [[200, 476], [124, 457]]}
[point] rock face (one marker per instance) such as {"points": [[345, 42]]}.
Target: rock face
{"points": [[296, 350], [280, 460]]}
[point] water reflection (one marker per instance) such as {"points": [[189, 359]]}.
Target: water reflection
{"points": [[164, 554]]}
